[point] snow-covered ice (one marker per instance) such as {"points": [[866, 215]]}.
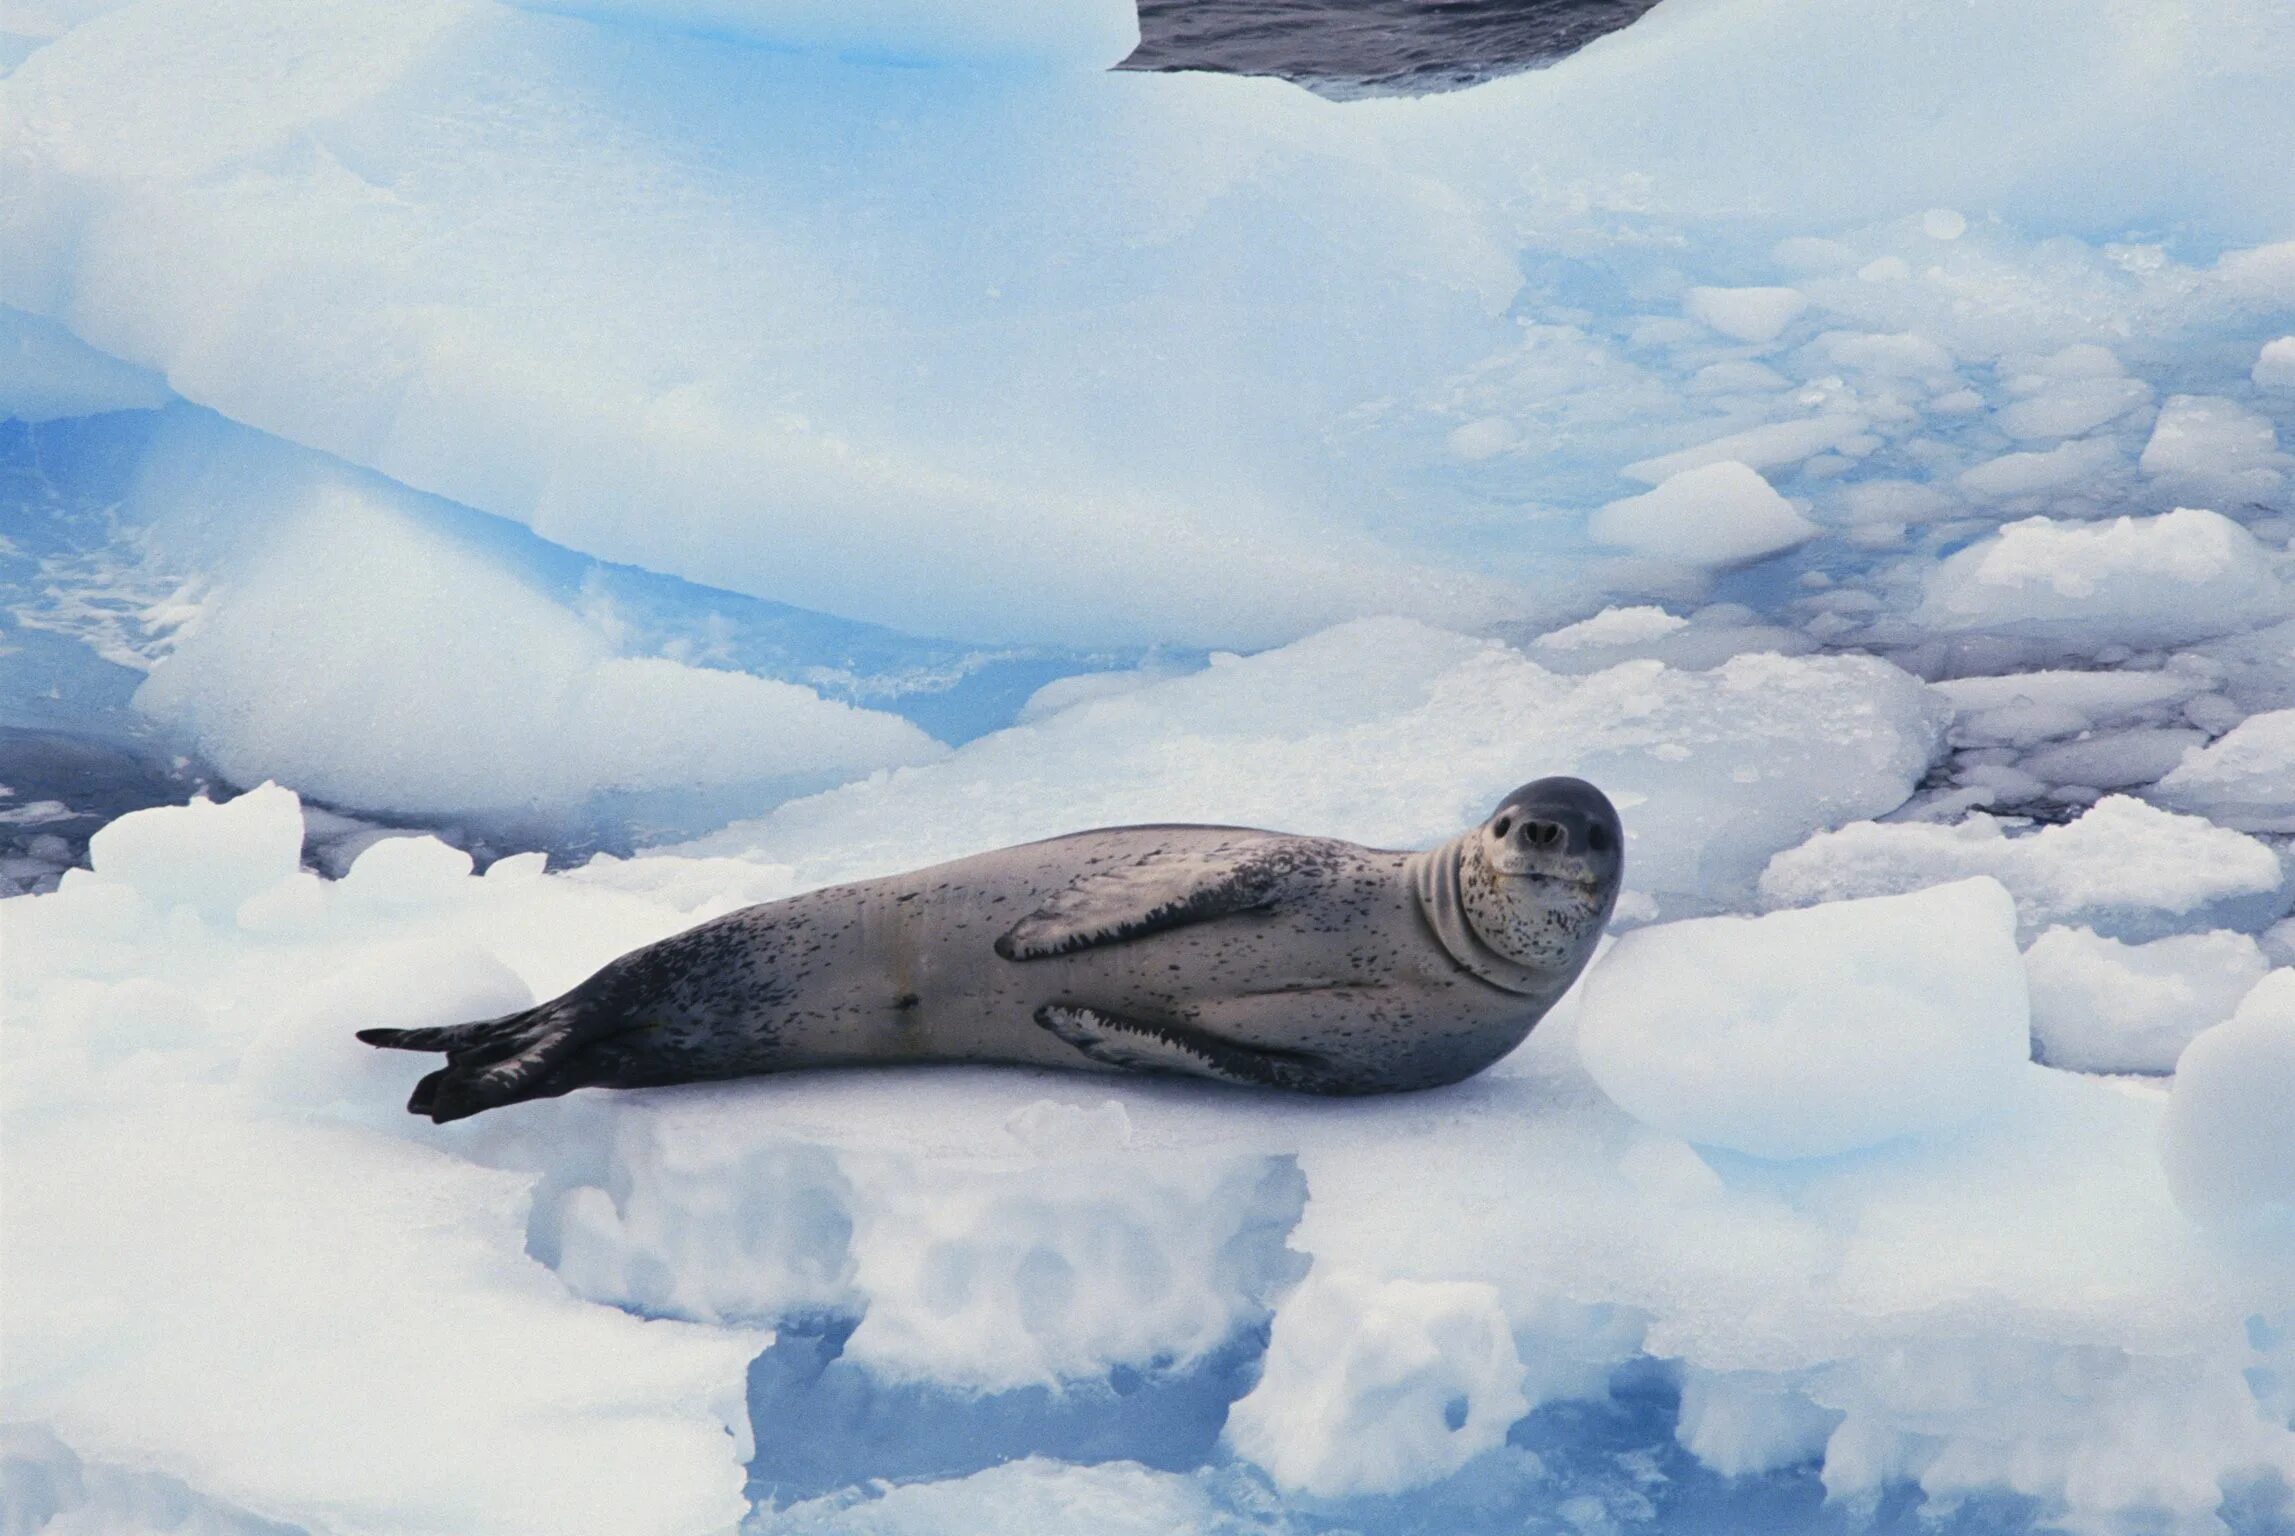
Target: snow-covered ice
{"points": [[2099, 1005], [2120, 864], [781, 443], [1814, 1032]]}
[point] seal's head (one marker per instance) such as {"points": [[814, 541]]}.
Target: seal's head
{"points": [[1540, 877]]}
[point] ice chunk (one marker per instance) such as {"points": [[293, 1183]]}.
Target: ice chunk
{"points": [[1745, 314], [1376, 1386], [1710, 637], [2184, 575], [1887, 355], [1724, 514], [1744, 1424], [376, 663], [1713, 770], [1044, 430], [1768, 447], [2114, 759], [2124, 867], [2246, 779], [1052, 1258], [1896, 501], [2074, 391], [2031, 474], [1614, 627], [2005, 1308], [2095, 698], [405, 869], [2275, 365], [47, 373], [264, 1284], [1085, 34], [204, 855], [2211, 449], [1811, 1033], [2229, 1142], [51, 1490], [2102, 1006], [1034, 1496]]}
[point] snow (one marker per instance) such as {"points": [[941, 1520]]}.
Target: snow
{"points": [[1722, 514], [2121, 864], [429, 680], [1423, 1377], [2275, 364], [1090, 35], [196, 1260], [1816, 1032], [48, 374], [1716, 770], [2244, 779], [2184, 575], [1745, 314], [783, 443], [2229, 1149], [948, 1210], [2099, 1005], [2214, 449], [206, 856]]}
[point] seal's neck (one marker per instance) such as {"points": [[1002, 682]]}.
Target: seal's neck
{"points": [[1499, 929]]}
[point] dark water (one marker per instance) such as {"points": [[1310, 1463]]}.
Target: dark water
{"points": [[1371, 47]]}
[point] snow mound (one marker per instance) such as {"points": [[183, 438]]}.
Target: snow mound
{"points": [[1816, 1032], [2121, 867], [2228, 1141], [372, 662], [2181, 576], [2099, 1005]]}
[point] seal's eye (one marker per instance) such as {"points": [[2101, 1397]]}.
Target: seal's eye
{"points": [[1503, 825], [1598, 838]]}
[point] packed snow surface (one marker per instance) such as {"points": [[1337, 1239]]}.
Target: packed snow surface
{"points": [[785, 443]]}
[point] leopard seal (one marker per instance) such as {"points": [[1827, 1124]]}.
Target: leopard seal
{"points": [[1302, 963]]}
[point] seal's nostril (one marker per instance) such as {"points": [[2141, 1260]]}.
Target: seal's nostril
{"points": [[1542, 834]]}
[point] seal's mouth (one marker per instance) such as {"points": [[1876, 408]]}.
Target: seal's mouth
{"points": [[1590, 886]]}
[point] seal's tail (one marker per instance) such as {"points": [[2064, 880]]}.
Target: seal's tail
{"points": [[491, 1063]]}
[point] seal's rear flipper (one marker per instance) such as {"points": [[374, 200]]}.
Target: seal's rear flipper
{"points": [[499, 1061], [1143, 1046]]}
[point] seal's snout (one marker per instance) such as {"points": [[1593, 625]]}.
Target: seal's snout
{"points": [[1562, 828], [1544, 834]]}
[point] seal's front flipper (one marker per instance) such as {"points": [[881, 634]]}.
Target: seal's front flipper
{"points": [[1142, 1046], [1164, 891], [500, 1061]]}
